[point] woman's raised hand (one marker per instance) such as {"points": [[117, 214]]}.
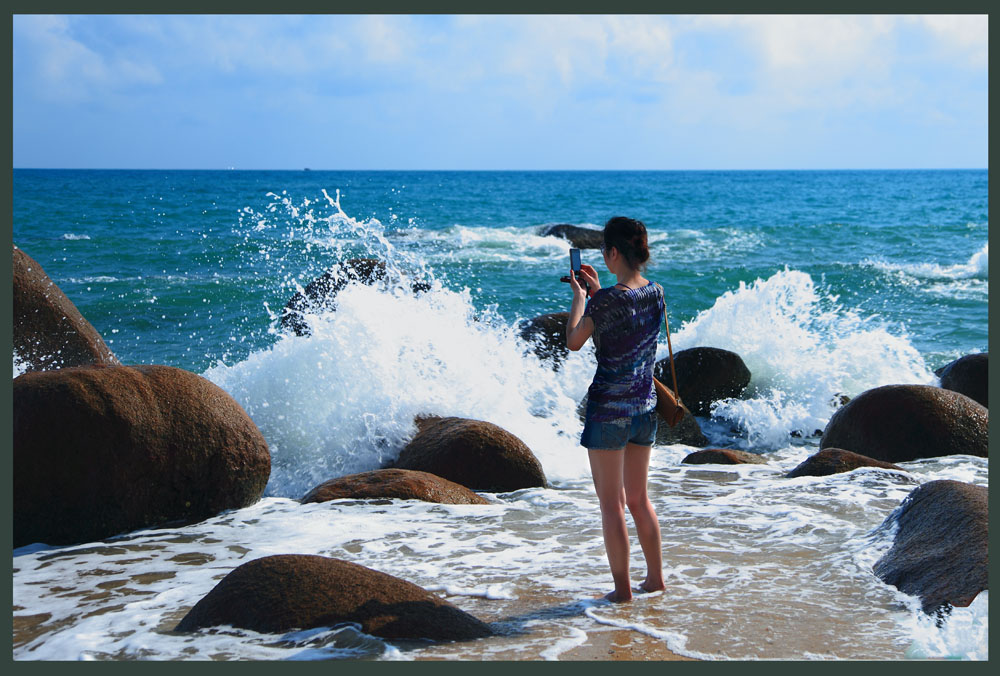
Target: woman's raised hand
{"points": [[579, 293], [590, 276]]}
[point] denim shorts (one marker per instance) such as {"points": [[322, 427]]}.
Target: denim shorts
{"points": [[613, 436]]}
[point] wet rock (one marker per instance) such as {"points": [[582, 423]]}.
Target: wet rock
{"points": [[967, 375], [547, 335], [403, 484], [474, 453], [49, 331], [896, 423], [580, 238], [320, 294], [705, 375], [687, 432], [834, 461], [276, 594], [103, 450], [940, 551], [723, 456]]}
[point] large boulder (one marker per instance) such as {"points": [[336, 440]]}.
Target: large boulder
{"points": [[834, 461], [49, 331], [276, 594], [581, 238], [896, 423], [941, 549], [404, 484], [474, 453], [320, 294], [705, 375], [723, 456], [102, 450], [968, 375]]}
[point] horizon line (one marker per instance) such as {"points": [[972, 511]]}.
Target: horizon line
{"points": [[311, 169]]}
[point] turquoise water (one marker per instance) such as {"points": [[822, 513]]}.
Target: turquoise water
{"points": [[167, 265], [825, 283]]}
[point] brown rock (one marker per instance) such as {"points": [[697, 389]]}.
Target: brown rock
{"points": [[968, 375], [704, 375], [404, 484], [474, 453], [687, 432], [547, 335], [836, 460], [896, 423], [102, 450], [941, 548], [297, 591], [319, 295], [581, 238], [49, 331], [723, 456]]}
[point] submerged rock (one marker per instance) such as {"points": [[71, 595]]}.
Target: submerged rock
{"points": [[705, 375], [969, 376], [723, 456], [941, 549], [103, 450], [896, 423], [474, 453], [49, 332], [320, 294], [834, 461], [299, 591], [403, 484], [580, 238]]}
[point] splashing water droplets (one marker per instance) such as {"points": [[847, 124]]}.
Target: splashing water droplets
{"points": [[804, 351]]}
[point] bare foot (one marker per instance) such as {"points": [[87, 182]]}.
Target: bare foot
{"points": [[648, 588], [615, 597]]}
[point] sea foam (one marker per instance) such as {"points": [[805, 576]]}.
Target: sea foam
{"points": [[803, 351], [964, 634], [343, 399], [977, 267], [19, 365]]}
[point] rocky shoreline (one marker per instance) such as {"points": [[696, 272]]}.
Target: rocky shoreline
{"points": [[102, 448]]}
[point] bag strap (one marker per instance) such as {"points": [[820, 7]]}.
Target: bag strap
{"points": [[670, 349]]}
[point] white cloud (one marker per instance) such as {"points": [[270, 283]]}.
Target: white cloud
{"points": [[64, 69], [541, 57], [386, 39], [821, 47], [966, 34]]}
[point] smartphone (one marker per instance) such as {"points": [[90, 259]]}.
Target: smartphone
{"points": [[574, 260], [574, 264]]}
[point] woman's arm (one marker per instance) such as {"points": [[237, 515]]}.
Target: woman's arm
{"points": [[579, 329]]}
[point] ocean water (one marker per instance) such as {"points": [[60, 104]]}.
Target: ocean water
{"points": [[826, 283]]}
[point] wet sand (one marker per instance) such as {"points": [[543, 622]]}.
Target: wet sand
{"points": [[622, 645]]}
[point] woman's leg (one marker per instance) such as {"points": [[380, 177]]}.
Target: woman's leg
{"points": [[606, 467], [636, 469]]}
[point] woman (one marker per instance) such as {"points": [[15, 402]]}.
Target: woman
{"points": [[621, 419]]}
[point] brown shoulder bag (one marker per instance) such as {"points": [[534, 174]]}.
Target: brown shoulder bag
{"points": [[669, 405]]}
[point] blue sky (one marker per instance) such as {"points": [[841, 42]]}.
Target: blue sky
{"points": [[500, 92]]}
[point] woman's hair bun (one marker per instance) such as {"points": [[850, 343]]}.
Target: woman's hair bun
{"points": [[628, 235]]}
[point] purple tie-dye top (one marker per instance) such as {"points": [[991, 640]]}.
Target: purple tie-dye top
{"points": [[626, 326]]}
